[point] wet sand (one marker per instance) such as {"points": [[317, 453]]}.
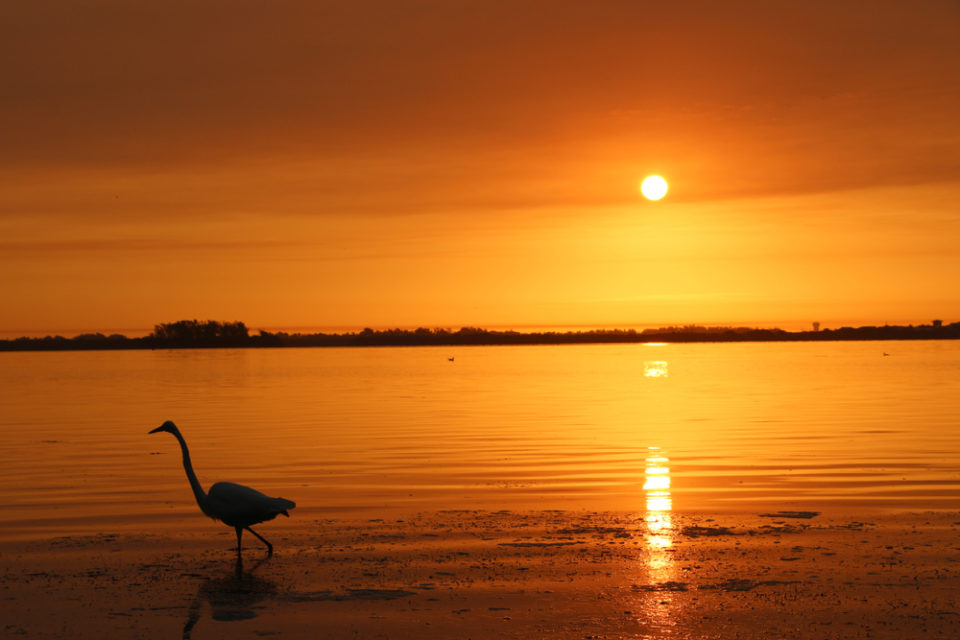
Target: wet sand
{"points": [[503, 574]]}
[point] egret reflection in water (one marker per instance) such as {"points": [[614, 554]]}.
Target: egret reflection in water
{"points": [[235, 596]]}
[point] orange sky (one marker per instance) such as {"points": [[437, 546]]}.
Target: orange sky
{"points": [[385, 163]]}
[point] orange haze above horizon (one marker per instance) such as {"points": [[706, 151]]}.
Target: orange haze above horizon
{"points": [[447, 164]]}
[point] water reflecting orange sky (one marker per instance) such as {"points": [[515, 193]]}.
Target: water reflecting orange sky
{"points": [[371, 431]]}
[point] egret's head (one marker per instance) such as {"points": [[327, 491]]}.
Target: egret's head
{"points": [[167, 426]]}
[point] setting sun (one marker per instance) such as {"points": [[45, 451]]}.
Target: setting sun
{"points": [[653, 187]]}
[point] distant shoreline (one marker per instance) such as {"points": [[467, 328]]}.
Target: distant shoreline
{"points": [[193, 334]]}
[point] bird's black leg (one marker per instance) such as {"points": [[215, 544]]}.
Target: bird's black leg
{"points": [[239, 535], [269, 546]]}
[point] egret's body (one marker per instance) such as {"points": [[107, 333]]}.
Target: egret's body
{"points": [[233, 504]]}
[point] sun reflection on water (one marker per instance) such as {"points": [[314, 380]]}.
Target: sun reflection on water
{"points": [[655, 369], [659, 605], [656, 486]]}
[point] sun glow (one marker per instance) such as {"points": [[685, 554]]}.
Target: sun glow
{"points": [[653, 187]]}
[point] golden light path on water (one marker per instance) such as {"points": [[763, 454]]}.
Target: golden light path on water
{"points": [[657, 607]]}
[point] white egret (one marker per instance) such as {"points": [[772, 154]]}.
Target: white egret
{"points": [[233, 504]]}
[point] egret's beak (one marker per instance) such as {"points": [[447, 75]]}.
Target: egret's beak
{"points": [[160, 428]]}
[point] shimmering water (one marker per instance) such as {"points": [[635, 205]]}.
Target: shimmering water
{"points": [[743, 427]]}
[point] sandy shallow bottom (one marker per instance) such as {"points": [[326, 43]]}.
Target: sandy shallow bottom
{"points": [[485, 574]]}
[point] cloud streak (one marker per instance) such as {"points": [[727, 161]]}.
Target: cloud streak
{"points": [[716, 93]]}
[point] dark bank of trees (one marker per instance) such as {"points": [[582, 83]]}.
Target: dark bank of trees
{"points": [[85, 341], [183, 334], [191, 334]]}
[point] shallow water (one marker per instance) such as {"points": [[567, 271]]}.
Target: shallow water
{"points": [[743, 427]]}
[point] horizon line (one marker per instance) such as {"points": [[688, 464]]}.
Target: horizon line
{"points": [[134, 332]]}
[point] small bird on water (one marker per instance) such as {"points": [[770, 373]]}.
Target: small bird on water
{"points": [[235, 505]]}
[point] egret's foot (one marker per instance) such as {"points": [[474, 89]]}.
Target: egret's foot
{"points": [[263, 540]]}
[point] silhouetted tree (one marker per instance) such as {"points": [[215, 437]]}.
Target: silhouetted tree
{"points": [[193, 333]]}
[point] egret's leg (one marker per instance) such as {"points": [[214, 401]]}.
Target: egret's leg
{"points": [[269, 546], [239, 535]]}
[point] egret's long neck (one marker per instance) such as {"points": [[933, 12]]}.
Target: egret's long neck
{"points": [[198, 491]]}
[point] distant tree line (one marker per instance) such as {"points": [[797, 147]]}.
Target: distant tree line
{"points": [[191, 334]]}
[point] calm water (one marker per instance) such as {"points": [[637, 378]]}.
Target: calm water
{"points": [[371, 432]]}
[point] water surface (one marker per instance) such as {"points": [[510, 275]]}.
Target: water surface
{"points": [[386, 431]]}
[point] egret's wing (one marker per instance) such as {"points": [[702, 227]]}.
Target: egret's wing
{"points": [[235, 502]]}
